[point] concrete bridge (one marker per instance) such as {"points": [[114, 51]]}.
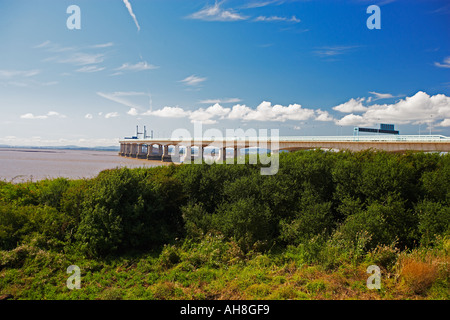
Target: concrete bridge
{"points": [[182, 149]]}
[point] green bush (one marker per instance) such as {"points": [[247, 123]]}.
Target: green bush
{"points": [[313, 220], [246, 221], [129, 209], [434, 219]]}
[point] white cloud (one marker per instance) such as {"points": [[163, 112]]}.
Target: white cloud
{"points": [[140, 66], [118, 98], [46, 116], [168, 112], [217, 13], [213, 101], [111, 115], [276, 19], [133, 112], [353, 105], [8, 74], [354, 120], [379, 96], [193, 80], [329, 51], [420, 108], [90, 69], [264, 112], [32, 116], [206, 115], [260, 4], [130, 10], [103, 45], [323, 116], [446, 63], [445, 123], [239, 111], [81, 59], [42, 44], [88, 116]]}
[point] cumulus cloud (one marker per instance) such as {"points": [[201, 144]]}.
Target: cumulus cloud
{"points": [[111, 115], [133, 112], [353, 105], [50, 114], [444, 123], [266, 112], [420, 108], [263, 112], [323, 116], [168, 112], [88, 116], [206, 115], [354, 120]]}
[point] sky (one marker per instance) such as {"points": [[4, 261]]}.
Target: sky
{"points": [[303, 67]]}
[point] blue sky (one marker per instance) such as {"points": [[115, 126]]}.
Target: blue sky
{"points": [[304, 67]]}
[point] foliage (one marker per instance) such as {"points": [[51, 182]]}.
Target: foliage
{"points": [[322, 209]]}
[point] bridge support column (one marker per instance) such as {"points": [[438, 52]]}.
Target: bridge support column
{"points": [[188, 155], [151, 153], [176, 154], [166, 156], [141, 154], [129, 150], [222, 155], [199, 157], [134, 150]]}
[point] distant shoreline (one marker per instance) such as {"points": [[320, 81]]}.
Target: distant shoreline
{"points": [[32, 148]]}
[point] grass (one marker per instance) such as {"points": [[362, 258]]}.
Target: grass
{"points": [[198, 271]]}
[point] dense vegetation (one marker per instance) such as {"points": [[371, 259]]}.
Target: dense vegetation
{"points": [[226, 231]]}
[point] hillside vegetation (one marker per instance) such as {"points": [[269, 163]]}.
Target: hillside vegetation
{"points": [[228, 232]]}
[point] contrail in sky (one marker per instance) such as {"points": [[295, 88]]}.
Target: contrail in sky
{"points": [[130, 10]]}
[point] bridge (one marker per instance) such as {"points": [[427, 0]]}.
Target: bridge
{"points": [[185, 150]]}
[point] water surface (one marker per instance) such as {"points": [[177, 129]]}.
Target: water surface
{"points": [[19, 165]]}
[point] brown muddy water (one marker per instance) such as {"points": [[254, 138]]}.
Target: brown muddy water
{"points": [[20, 165]]}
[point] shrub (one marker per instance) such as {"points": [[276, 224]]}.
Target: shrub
{"points": [[434, 219], [52, 191], [246, 221], [418, 275], [197, 221], [130, 209], [314, 219]]}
